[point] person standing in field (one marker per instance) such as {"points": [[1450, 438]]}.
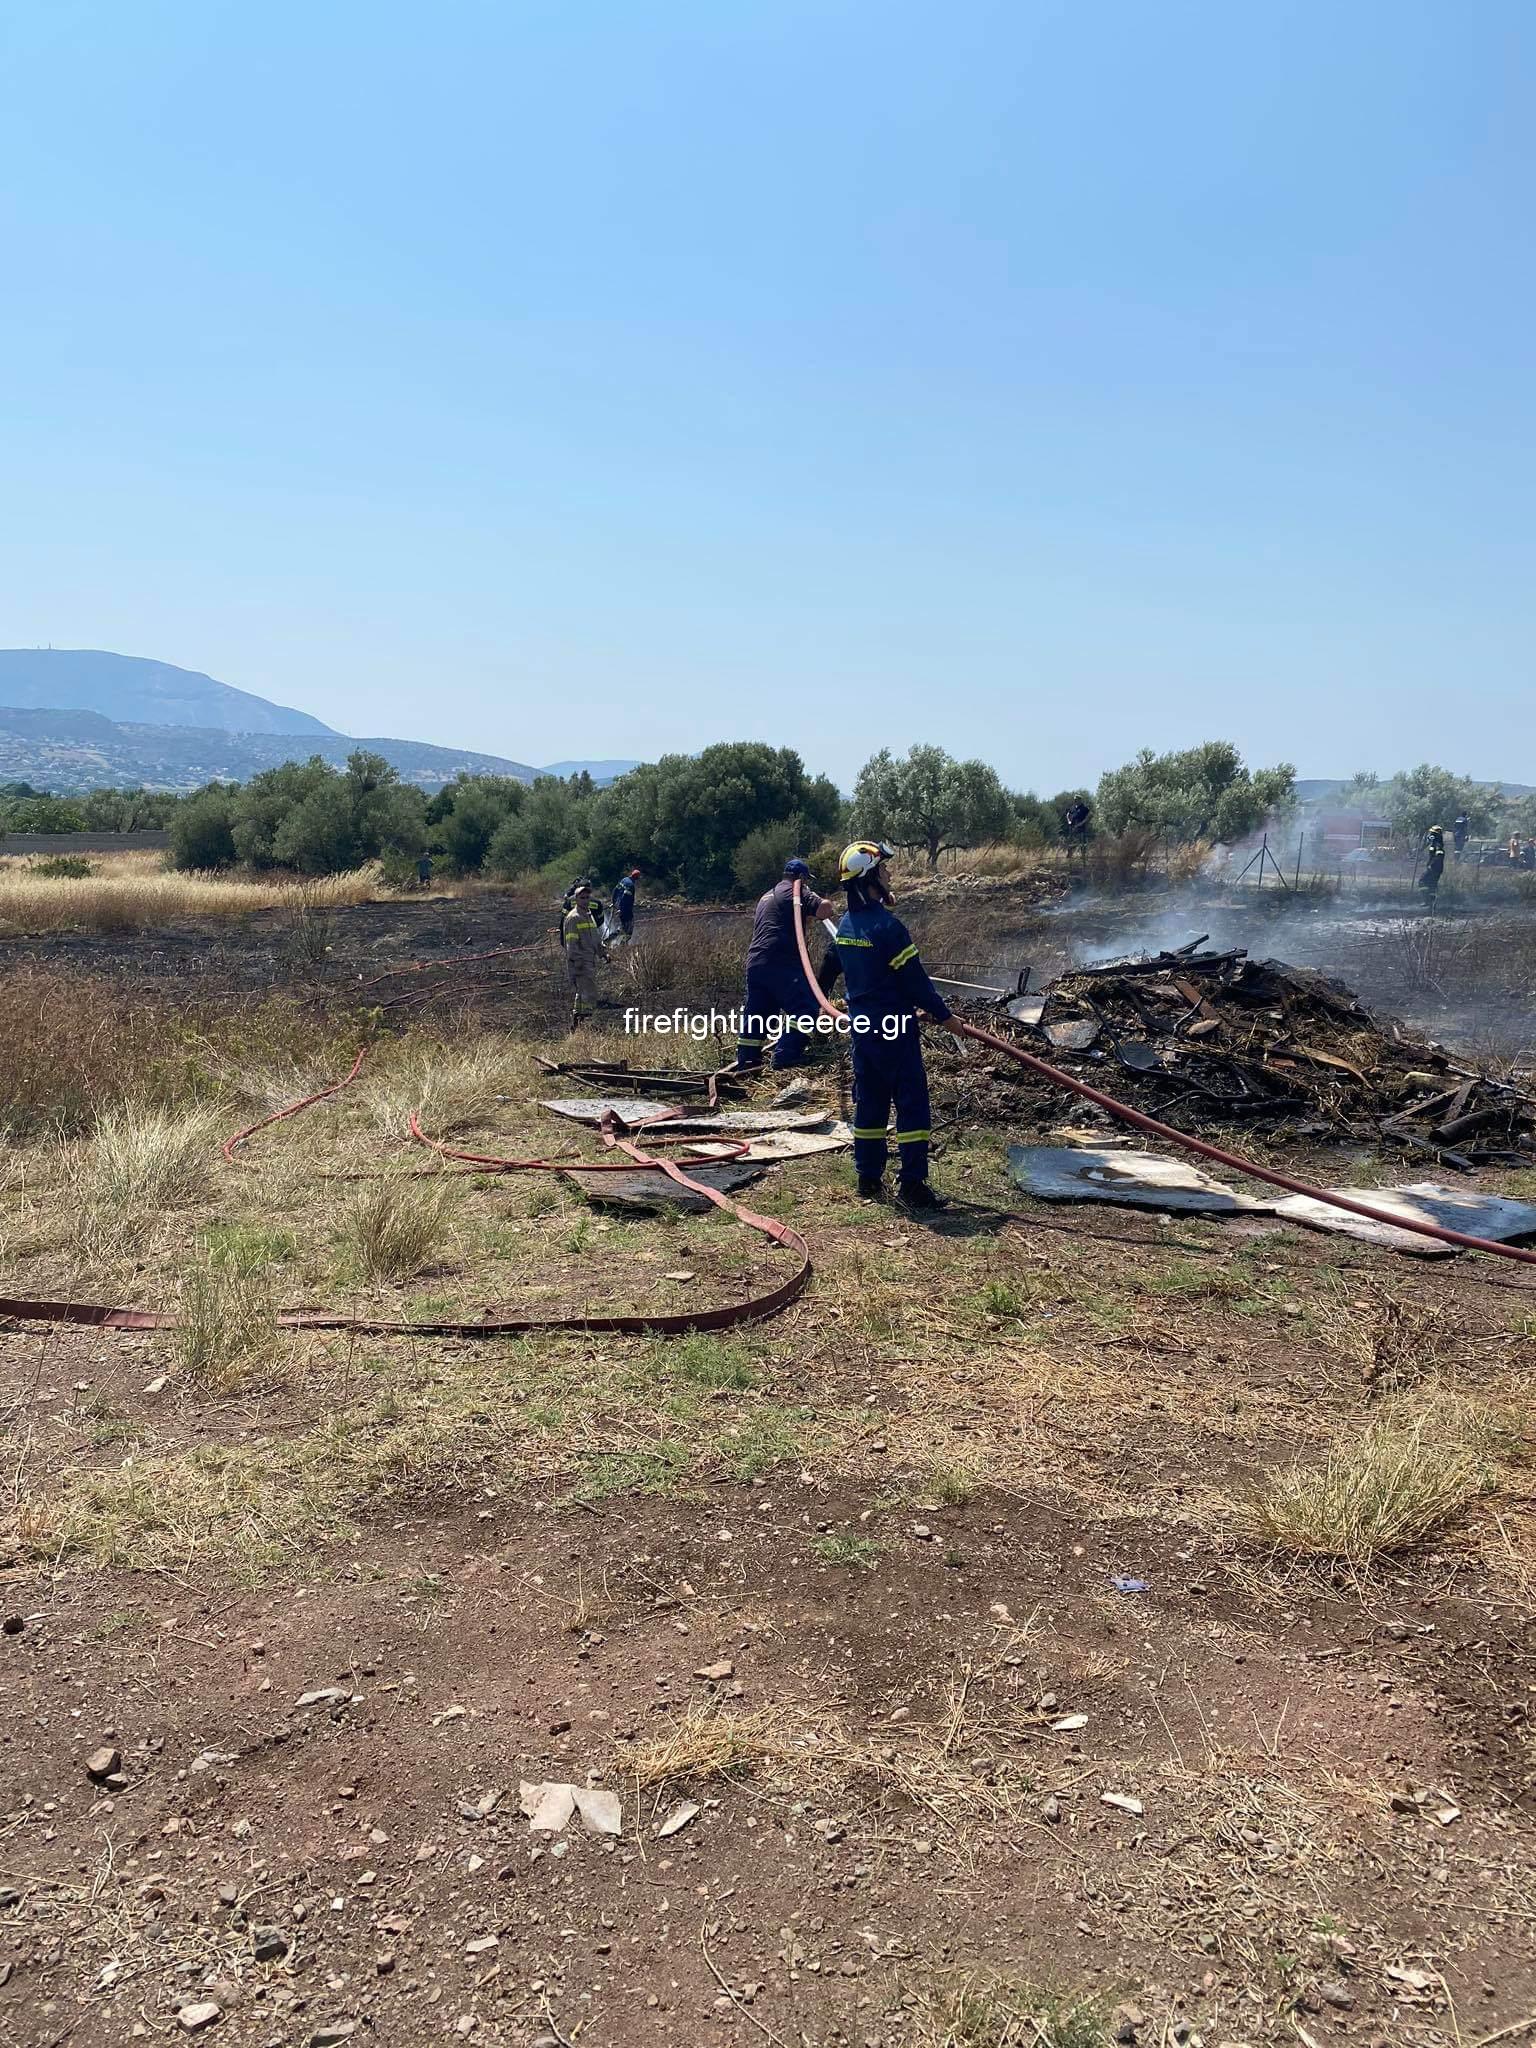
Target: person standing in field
{"points": [[777, 990], [624, 905], [584, 947]]}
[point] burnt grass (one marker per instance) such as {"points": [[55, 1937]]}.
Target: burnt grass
{"points": [[890, 1523]]}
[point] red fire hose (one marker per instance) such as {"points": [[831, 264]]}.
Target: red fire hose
{"points": [[1233, 1160], [669, 1322]]}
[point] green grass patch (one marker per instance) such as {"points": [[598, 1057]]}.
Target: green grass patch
{"points": [[249, 1247], [856, 1553]]}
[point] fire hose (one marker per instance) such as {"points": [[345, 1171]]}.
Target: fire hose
{"points": [[675, 1322], [1234, 1161]]}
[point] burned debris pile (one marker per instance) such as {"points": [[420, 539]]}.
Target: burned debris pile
{"points": [[1217, 1039]]}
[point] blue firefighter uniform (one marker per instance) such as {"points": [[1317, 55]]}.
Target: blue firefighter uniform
{"points": [[776, 983], [624, 904], [887, 985]]}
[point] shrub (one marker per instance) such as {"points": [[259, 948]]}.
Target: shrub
{"points": [[225, 1318], [72, 867], [1385, 1490], [396, 1227]]}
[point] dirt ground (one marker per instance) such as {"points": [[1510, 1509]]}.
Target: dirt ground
{"points": [[929, 1617]]}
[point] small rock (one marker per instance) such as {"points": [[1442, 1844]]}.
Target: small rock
{"points": [[269, 1944], [1335, 1992], [101, 1764], [483, 1945], [323, 1695], [921, 1531], [1128, 2022], [9, 1896], [13, 1624], [193, 2018], [1050, 1810], [830, 1830], [1123, 1800], [715, 1672], [332, 2034], [678, 1818], [229, 1895], [384, 1962], [158, 1384]]}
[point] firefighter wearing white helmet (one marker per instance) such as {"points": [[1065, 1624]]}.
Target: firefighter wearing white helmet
{"points": [[887, 985]]}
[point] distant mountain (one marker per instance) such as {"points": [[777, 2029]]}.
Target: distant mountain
{"points": [[71, 751], [138, 692], [600, 771]]}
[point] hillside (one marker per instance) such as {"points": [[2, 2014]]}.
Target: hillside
{"points": [[72, 751], [601, 772], [136, 691]]}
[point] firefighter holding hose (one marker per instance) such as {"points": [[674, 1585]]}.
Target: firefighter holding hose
{"points": [[887, 985]]}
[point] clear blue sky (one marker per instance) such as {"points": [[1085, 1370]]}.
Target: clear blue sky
{"points": [[600, 379]]}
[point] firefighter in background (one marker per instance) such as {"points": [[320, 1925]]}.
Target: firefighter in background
{"points": [[1434, 866], [1074, 827], [777, 989], [624, 905], [584, 947], [887, 985], [1461, 825]]}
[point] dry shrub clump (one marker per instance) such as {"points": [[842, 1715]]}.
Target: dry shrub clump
{"points": [[140, 1161], [455, 1086], [396, 1228], [224, 1323], [707, 965], [1400, 1480]]}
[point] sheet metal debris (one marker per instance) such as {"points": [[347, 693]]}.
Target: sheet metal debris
{"points": [[1144, 1180], [625, 1109], [1494, 1216]]}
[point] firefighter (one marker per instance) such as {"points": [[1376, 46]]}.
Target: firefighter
{"points": [[1074, 826], [584, 947], [887, 985], [777, 990], [624, 905], [1461, 825], [1434, 866]]}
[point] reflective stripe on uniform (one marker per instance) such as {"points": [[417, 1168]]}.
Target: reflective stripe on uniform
{"points": [[907, 953], [751, 1041], [841, 941], [878, 1132], [911, 1137]]}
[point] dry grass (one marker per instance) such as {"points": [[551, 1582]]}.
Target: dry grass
{"points": [[707, 965], [128, 899], [139, 1162], [456, 1086], [980, 2012], [225, 1322], [394, 1229], [708, 1743], [1399, 1481]]}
